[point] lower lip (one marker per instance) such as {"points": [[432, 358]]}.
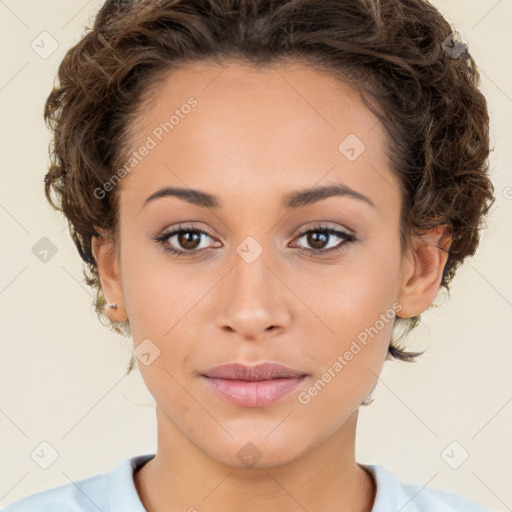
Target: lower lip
{"points": [[253, 394]]}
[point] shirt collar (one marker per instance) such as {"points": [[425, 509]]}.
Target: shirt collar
{"points": [[121, 491], [123, 496]]}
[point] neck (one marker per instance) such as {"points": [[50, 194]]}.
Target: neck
{"points": [[326, 478]]}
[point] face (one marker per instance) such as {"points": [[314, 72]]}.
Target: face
{"points": [[261, 274]]}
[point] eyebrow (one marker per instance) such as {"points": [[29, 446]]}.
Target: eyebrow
{"points": [[292, 200]]}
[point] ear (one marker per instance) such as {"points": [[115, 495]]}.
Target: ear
{"points": [[104, 252], [422, 270]]}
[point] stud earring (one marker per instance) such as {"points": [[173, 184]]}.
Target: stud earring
{"points": [[112, 306]]}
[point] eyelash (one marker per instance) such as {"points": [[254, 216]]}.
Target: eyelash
{"points": [[347, 237]]}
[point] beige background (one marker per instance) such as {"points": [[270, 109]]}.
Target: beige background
{"points": [[62, 372]]}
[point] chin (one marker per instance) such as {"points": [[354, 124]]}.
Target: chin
{"points": [[253, 450]]}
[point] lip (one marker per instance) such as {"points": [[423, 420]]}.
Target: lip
{"points": [[252, 385], [261, 371]]}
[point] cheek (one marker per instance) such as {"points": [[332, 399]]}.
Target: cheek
{"points": [[152, 295], [161, 299], [360, 308], [360, 290], [347, 363]]}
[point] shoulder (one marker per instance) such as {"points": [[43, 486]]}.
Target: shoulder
{"points": [[394, 495], [84, 496], [107, 491]]}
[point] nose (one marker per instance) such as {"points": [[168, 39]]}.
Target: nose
{"points": [[253, 300]]}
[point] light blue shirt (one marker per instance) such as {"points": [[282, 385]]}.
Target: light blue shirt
{"points": [[116, 492]]}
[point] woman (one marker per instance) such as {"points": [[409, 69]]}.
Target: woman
{"points": [[267, 195]]}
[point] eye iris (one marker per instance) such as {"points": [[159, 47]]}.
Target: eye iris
{"points": [[315, 237], [187, 237]]}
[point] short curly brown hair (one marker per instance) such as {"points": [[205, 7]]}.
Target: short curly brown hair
{"points": [[402, 56]]}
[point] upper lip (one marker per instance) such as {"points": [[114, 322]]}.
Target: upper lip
{"points": [[261, 371]]}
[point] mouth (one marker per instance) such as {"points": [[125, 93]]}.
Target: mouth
{"points": [[252, 373], [252, 386]]}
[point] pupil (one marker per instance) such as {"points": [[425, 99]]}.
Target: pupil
{"points": [[314, 238], [186, 238]]}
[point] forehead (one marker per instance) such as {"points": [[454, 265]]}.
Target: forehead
{"points": [[256, 128], [289, 98]]}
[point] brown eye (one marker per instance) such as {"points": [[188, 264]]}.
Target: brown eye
{"points": [[319, 238], [189, 240], [184, 240]]}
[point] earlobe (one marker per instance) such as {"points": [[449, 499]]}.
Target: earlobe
{"points": [[104, 252], [422, 270]]}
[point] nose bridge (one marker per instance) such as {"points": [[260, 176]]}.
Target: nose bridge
{"points": [[250, 261], [251, 300]]}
